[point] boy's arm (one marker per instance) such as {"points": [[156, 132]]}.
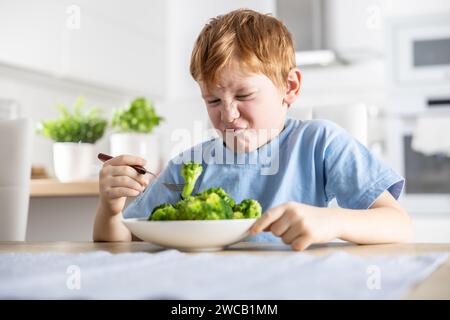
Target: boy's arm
{"points": [[117, 181], [301, 225], [110, 228], [385, 222]]}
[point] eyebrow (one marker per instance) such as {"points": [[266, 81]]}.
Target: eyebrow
{"points": [[247, 88]]}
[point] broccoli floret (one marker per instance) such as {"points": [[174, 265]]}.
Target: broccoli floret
{"points": [[190, 173], [220, 192], [189, 208], [238, 215], [163, 212], [247, 209], [206, 206], [215, 207]]}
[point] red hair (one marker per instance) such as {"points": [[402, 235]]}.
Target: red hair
{"points": [[259, 43]]}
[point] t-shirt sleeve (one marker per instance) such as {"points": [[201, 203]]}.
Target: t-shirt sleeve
{"points": [[353, 175], [155, 194]]}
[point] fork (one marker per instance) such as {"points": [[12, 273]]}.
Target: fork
{"points": [[141, 170]]}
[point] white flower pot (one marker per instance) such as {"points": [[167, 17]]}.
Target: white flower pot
{"points": [[137, 144], [72, 161]]}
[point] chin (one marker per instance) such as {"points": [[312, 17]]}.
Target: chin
{"points": [[244, 143]]}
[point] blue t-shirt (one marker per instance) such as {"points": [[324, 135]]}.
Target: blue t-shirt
{"points": [[310, 162]]}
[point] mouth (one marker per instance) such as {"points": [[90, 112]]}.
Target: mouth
{"points": [[235, 131], [234, 128]]}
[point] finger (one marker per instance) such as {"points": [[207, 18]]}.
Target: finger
{"points": [[130, 172], [280, 226], [119, 192], [126, 182], [301, 243], [267, 218], [126, 160], [295, 231]]}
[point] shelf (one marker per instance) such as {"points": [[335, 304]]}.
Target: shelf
{"points": [[55, 188]]}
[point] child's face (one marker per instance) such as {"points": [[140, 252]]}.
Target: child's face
{"points": [[246, 109]]}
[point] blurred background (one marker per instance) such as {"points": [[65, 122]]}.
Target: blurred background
{"points": [[381, 69]]}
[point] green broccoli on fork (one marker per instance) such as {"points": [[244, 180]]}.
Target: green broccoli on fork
{"points": [[190, 173]]}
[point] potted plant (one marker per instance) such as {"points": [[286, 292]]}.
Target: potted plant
{"points": [[74, 135], [135, 125]]}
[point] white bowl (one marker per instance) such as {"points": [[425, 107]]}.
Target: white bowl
{"points": [[191, 235]]}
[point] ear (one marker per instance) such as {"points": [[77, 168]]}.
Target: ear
{"points": [[294, 81]]}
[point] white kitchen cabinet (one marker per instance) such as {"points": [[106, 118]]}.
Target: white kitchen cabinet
{"points": [[114, 53], [31, 34], [116, 46], [431, 227]]}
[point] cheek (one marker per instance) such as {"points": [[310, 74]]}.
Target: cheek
{"points": [[214, 116], [262, 113]]}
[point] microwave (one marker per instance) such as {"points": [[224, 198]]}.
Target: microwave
{"points": [[419, 50]]}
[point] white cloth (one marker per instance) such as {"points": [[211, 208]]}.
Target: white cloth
{"points": [[174, 275], [431, 135]]}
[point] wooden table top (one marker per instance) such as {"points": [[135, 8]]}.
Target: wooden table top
{"points": [[436, 286]]}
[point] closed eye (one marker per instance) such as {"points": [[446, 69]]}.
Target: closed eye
{"points": [[213, 101], [244, 96]]}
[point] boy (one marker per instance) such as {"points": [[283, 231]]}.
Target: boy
{"points": [[244, 63]]}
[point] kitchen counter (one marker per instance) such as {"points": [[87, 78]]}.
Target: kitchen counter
{"points": [[55, 188], [435, 286]]}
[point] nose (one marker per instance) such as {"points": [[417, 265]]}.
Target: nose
{"points": [[229, 112]]}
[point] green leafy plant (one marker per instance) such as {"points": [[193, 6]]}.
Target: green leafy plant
{"points": [[79, 126], [140, 117]]}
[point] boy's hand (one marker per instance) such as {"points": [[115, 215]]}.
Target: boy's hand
{"points": [[118, 180], [298, 224]]}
